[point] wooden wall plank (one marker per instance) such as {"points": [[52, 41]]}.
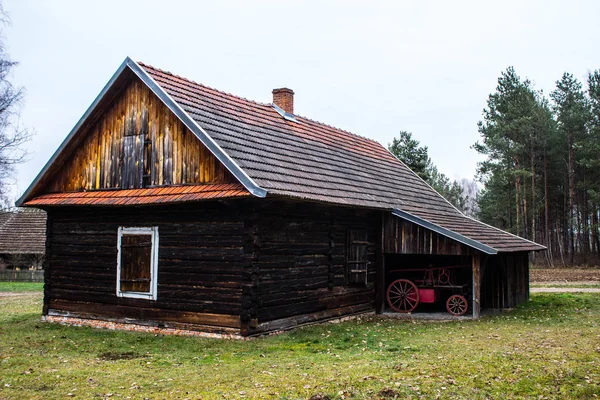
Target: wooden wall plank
{"points": [[404, 237], [476, 303], [102, 159]]}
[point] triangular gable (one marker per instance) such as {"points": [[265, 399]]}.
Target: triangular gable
{"points": [[90, 177]]}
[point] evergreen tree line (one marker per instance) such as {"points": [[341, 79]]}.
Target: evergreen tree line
{"points": [[541, 174], [461, 194]]}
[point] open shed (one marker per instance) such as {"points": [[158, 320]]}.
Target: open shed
{"points": [[173, 204]]}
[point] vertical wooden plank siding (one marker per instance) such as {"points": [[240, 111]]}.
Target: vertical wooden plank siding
{"points": [[476, 285], [505, 283], [110, 154], [404, 237]]}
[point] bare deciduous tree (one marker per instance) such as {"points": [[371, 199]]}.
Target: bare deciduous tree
{"points": [[12, 134]]}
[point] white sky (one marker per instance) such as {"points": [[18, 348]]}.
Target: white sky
{"points": [[373, 68]]}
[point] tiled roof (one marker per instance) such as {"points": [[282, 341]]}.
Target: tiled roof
{"points": [[147, 196], [311, 160], [23, 232]]}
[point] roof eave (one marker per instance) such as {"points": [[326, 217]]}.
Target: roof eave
{"points": [[539, 247], [213, 147], [445, 232]]}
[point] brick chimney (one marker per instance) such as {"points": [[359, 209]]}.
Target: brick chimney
{"points": [[284, 98]]}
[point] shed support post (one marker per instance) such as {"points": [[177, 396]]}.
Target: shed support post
{"points": [[476, 261], [380, 272]]}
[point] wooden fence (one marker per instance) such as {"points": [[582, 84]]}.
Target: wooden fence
{"points": [[22, 276]]}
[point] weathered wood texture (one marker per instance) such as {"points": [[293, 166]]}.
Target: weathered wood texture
{"points": [[404, 237], [249, 264], [201, 253], [505, 282], [299, 263], [380, 286], [136, 142], [476, 301]]}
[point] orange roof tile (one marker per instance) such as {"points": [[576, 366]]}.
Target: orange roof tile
{"points": [[175, 194]]}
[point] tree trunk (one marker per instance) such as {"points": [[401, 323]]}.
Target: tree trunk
{"points": [[526, 233], [518, 197], [560, 248], [547, 239], [595, 235], [585, 219], [565, 217], [571, 196], [533, 206]]}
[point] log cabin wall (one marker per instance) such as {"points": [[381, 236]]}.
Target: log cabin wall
{"points": [[404, 237], [299, 269], [505, 280], [137, 142], [200, 264]]}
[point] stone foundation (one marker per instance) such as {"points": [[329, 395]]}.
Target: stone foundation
{"points": [[99, 324]]}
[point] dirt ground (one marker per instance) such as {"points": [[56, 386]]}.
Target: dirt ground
{"points": [[563, 290], [565, 275]]}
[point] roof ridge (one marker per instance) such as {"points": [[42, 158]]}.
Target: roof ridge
{"points": [[201, 84], [338, 129], [255, 101]]}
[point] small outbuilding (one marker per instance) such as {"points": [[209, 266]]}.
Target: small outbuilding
{"points": [[174, 204], [22, 239]]}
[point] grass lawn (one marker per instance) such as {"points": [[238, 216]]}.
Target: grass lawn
{"points": [[548, 348], [21, 287]]}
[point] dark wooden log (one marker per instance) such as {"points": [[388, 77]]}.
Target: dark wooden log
{"points": [[296, 321], [152, 314]]}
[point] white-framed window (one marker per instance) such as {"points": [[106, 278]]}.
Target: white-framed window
{"points": [[137, 262]]}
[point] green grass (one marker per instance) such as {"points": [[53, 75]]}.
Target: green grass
{"points": [[21, 287], [547, 348]]}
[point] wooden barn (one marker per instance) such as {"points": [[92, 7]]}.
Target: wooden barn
{"points": [[173, 204]]}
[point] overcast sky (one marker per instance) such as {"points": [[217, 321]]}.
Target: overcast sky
{"points": [[373, 68]]}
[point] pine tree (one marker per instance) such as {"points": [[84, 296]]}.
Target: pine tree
{"points": [[416, 157], [411, 153], [507, 139], [572, 115]]}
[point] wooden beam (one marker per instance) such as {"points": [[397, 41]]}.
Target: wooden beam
{"points": [[380, 272], [476, 260]]}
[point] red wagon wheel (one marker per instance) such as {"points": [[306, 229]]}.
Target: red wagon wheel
{"points": [[402, 296], [457, 305]]}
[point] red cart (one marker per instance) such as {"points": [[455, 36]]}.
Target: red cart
{"points": [[404, 295]]}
